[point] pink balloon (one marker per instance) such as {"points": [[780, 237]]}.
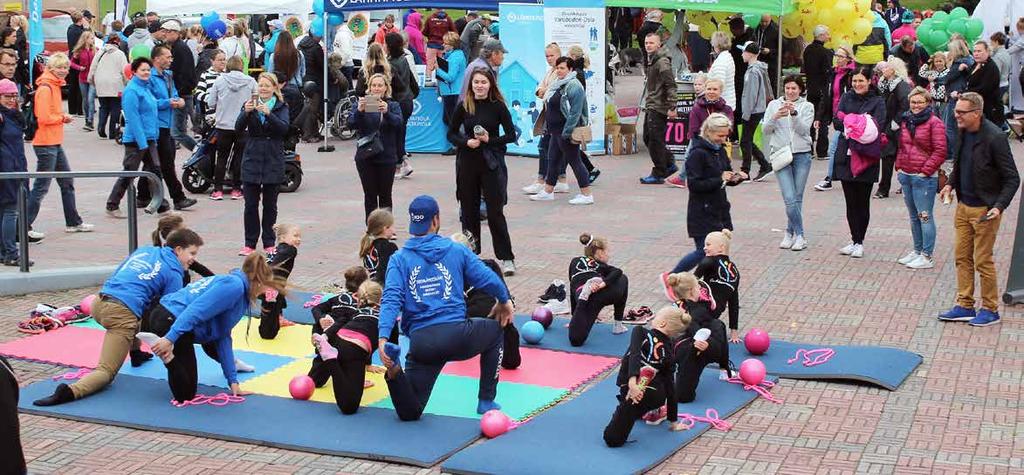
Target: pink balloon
{"points": [[301, 387], [494, 423], [752, 371], [757, 341], [86, 304]]}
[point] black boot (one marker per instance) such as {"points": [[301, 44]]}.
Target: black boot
{"points": [[138, 357], [60, 395]]}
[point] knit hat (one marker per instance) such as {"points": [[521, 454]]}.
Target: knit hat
{"points": [[7, 87], [908, 17]]}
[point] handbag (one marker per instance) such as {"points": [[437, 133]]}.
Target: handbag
{"points": [[369, 146], [783, 156], [582, 134]]}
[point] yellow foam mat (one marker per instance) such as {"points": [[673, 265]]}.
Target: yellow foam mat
{"points": [[291, 341], [276, 382]]}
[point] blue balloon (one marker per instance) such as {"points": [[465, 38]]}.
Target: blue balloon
{"points": [[532, 332], [215, 30], [335, 19], [316, 28], [208, 18], [318, 7]]}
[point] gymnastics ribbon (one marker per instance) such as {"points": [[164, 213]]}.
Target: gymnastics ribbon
{"points": [[222, 399], [813, 357], [76, 374], [313, 301], [761, 388], [710, 417]]}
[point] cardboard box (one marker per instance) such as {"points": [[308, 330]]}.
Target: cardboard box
{"points": [[623, 141]]}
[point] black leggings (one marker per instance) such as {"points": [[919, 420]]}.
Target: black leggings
{"points": [[749, 148], [858, 208], [182, 371], [377, 180], [690, 366], [585, 314], [228, 140], [406, 107], [318, 371], [474, 181], [270, 314], [347, 372], [626, 414]]}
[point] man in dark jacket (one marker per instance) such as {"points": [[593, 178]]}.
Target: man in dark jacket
{"points": [[460, 24], [652, 24], [659, 105], [817, 66], [183, 69], [985, 180], [314, 55], [740, 36], [914, 56], [893, 15], [766, 36]]}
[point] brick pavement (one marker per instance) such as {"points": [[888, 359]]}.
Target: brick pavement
{"points": [[957, 413]]}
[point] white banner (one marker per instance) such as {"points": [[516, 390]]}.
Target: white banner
{"points": [[585, 27]]}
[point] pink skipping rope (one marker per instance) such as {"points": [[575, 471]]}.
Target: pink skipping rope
{"points": [[73, 375], [313, 301], [711, 418], [222, 399], [762, 388], [813, 357]]}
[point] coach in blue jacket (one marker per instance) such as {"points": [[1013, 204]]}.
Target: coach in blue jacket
{"points": [[424, 284]]}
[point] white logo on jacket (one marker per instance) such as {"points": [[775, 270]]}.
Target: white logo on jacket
{"points": [[432, 286], [200, 285], [142, 268]]}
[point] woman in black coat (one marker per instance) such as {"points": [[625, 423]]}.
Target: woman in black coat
{"points": [[265, 123], [863, 98], [984, 79], [404, 90], [894, 86], [707, 169], [376, 123]]}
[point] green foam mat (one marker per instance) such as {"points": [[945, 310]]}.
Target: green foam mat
{"points": [[457, 396]]}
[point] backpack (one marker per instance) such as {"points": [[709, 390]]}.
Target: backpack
{"points": [[28, 109]]}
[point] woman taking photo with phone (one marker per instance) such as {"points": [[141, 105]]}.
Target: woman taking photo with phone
{"points": [[226, 98], [376, 119], [787, 122]]}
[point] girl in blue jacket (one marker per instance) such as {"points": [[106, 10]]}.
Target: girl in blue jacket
{"points": [[145, 276], [449, 80], [204, 313]]}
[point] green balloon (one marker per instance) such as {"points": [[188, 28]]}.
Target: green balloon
{"points": [[975, 27], [139, 51], [924, 31], [752, 20], [958, 12], [938, 39], [939, 20], [957, 25]]}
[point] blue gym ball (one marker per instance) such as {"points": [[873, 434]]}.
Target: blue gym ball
{"points": [[532, 332]]}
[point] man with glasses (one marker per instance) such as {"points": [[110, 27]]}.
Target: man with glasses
{"points": [[8, 64], [985, 179]]}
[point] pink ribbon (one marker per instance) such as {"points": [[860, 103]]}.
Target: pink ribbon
{"points": [[710, 417], [813, 357], [76, 374], [313, 301], [222, 399], [761, 388]]}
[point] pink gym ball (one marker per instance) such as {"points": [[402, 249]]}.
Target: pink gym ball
{"points": [[757, 341], [543, 316], [752, 371], [494, 423], [86, 304], [301, 387]]}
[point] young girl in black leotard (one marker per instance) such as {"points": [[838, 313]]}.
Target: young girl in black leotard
{"points": [[339, 307], [593, 284], [289, 238], [376, 248]]}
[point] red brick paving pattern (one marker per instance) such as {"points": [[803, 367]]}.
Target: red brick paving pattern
{"points": [[958, 413]]}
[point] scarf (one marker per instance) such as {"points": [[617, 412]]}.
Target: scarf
{"points": [[557, 85], [912, 120], [270, 106]]}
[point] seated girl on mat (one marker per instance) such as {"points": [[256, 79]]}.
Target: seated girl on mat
{"points": [[204, 313], [693, 354], [376, 248], [479, 304], [289, 237], [146, 275], [593, 285], [347, 344], [341, 306], [639, 390]]}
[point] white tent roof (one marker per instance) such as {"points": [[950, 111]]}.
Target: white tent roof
{"points": [[994, 14], [185, 7]]}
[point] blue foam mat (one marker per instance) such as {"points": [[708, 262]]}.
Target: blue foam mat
{"points": [[885, 367], [568, 438], [601, 342], [210, 373], [371, 433], [295, 311]]}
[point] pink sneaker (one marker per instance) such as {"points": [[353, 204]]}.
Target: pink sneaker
{"points": [[236, 195], [656, 416], [246, 250], [217, 195], [669, 293], [675, 181], [269, 250]]}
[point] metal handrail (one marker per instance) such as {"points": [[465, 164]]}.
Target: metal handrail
{"points": [[155, 186]]}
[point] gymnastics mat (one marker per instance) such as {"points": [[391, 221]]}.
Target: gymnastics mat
{"points": [[69, 346], [210, 373], [371, 433], [296, 310], [600, 342], [884, 367], [553, 369], [568, 438]]}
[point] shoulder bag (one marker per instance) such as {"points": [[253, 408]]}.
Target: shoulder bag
{"points": [[782, 157]]}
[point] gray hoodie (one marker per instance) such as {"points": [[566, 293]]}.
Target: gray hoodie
{"points": [[756, 89], [229, 93], [138, 36]]}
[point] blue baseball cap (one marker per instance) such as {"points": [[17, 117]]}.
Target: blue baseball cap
{"points": [[421, 213]]}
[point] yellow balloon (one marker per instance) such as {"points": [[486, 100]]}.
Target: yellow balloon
{"points": [[861, 29], [826, 17], [706, 30], [843, 9]]}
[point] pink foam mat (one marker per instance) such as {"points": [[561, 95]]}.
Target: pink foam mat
{"points": [[68, 346], [554, 369]]}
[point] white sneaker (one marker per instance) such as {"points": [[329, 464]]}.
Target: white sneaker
{"points": [[910, 257], [558, 307], [799, 244], [405, 170], [561, 187], [244, 367], [543, 196], [81, 228], [533, 189], [116, 213], [787, 242], [922, 262], [846, 251], [35, 234], [858, 250], [582, 199], [618, 328], [508, 268]]}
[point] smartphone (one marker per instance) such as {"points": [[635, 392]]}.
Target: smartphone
{"points": [[479, 131], [255, 99], [372, 99]]}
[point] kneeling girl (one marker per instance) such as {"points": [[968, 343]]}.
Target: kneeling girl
{"points": [[593, 285]]}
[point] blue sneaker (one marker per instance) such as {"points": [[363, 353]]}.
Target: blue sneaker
{"points": [[486, 405], [651, 180], [672, 169], [394, 353], [957, 314], [985, 318]]}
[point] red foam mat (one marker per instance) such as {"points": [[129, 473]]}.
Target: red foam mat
{"points": [[554, 369]]}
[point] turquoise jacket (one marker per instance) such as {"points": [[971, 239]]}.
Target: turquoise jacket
{"points": [[162, 86]]}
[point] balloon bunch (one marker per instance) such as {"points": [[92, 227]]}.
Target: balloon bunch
{"points": [[214, 27], [849, 21], [317, 25], [934, 33], [709, 22]]}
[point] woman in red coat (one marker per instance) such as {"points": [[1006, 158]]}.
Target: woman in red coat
{"points": [[922, 149]]}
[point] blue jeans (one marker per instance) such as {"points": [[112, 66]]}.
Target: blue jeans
{"points": [[792, 181], [88, 100], [431, 347], [833, 144], [919, 196], [8, 230], [689, 261], [51, 158], [179, 124], [951, 129]]}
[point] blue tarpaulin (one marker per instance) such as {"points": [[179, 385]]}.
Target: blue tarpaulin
{"points": [[339, 6]]}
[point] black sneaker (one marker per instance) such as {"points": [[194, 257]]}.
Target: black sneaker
{"points": [[555, 291], [594, 174], [881, 195], [184, 204], [141, 204], [16, 262], [762, 173]]}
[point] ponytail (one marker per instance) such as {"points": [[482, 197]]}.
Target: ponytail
{"points": [[370, 293], [592, 243], [165, 226], [260, 275], [376, 223]]}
